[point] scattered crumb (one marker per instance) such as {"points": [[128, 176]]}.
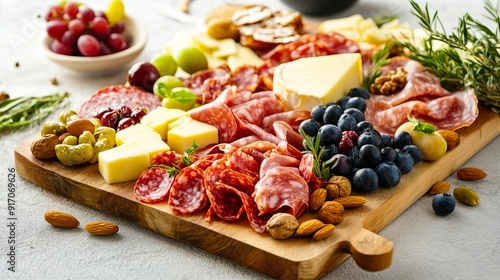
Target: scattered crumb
{"points": [[54, 81], [4, 95], [17, 64]]}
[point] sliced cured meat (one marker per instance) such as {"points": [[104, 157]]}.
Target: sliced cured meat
{"points": [[220, 116], [275, 161], [245, 78], [242, 162], [306, 170], [285, 132], [207, 84], [168, 158], [187, 193], [424, 98], [293, 118], [116, 96], [225, 200], [282, 190], [253, 111], [153, 185]]}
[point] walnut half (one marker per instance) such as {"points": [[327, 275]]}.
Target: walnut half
{"points": [[393, 82]]}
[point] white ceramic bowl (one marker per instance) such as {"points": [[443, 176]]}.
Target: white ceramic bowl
{"points": [[135, 36]]}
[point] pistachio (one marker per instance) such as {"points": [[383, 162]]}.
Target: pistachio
{"points": [[466, 195]]}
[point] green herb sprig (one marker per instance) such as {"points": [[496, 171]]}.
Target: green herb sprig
{"points": [[321, 169], [471, 58], [186, 160], [379, 59], [19, 112]]}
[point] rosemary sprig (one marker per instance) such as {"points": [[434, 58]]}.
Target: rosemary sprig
{"points": [[379, 59], [379, 21], [18, 112], [471, 58], [321, 169], [186, 160]]}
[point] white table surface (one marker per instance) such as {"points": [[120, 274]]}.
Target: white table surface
{"points": [[464, 245]]}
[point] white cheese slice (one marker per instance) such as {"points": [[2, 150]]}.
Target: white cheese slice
{"points": [[307, 82]]}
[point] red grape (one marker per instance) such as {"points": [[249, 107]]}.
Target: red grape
{"points": [[104, 49], [71, 9], [137, 114], [116, 42], [56, 28], [69, 38], [102, 111], [88, 45], [144, 75], [119, 27], [124, 123], [55, 12], [86, 14], [61, 48], [76, 26], [124, 111], [101, 14], [110, 119], [100, 25]]}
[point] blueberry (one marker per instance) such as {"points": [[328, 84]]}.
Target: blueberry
{"points": [[329, 134], [354, 156], [341, 164], [343, 101], [356, 113], [328, 153], [401, 139], [389, 174], [346, 122], [388, 154], [443, 204], [359, 92], [386, 140], [362, 126], [310, 127], [404, 161], [369, 155], [414, 152], [369, 136], [332, 114], [317, 113], [356, 102], [365, 180]]}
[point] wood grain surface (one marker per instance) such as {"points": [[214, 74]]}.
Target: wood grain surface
{"points": [[295, 258]]}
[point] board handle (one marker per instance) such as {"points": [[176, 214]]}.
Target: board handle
{"points": [[370, 251]]}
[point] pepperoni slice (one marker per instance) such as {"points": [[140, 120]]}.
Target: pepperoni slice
{"points": [[169, 158], [220, 116], [153, 185], [117, 96], [187, 194]]}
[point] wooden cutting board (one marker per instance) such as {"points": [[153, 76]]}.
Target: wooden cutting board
{"points": [[298, 257]]}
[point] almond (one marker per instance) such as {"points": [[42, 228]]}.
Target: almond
{"points": [[101, 228], [351, 201], [440, 187], [77, 127], [309, 227], [451, 137], [61, 219], [471, 174], [324, 232], [317, 199]]}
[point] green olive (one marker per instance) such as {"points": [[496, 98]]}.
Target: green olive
{"points": [[100, 146], [53, 128], [71, 155], [96, 122], [67, 116], [106, 132], [70, 140]]}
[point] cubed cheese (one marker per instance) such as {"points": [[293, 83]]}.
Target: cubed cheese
{"points": [[159, 118], [307, 82], [179, 121], [123, 163], [243, 56], [182, 136], [350, 22], [138, 131], [226, 48]]}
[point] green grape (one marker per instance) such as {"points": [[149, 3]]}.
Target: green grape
{"points": [[164, 63], [169, 82], [115, 12], [191, 60]]}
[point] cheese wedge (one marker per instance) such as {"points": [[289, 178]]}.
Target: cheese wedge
{"points": [[307, 82], [159, 118], [182, 136]]}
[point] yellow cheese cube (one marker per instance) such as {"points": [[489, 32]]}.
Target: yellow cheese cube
{"points": [[205, 40], [307, 82], [138, 131], [179, 121], [182, 136], [159, 118], [243, 56], [226, 48], [344, 23], [123, 163]]}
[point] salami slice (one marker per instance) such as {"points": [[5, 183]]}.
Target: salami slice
{"points": [[116, 96], [153, 185], [187, 194], [225, 200], [275, 161], [253, 111], [282, 190], [220, 116]]}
